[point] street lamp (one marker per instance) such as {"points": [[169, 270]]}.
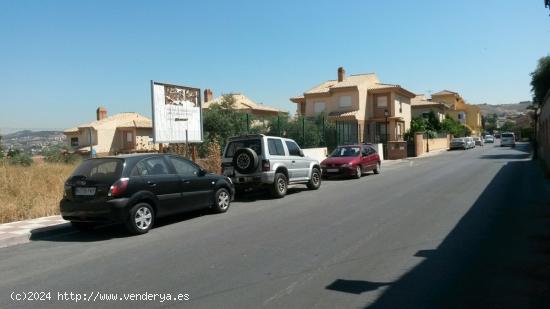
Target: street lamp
{"points": [[386, 114]]}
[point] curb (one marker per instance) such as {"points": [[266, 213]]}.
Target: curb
{"points": [[19, 232]]}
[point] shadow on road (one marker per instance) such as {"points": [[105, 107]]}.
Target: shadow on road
{"points": [[491, 259], [508, 156], [354, 286], [263, 194], [105, 231]]}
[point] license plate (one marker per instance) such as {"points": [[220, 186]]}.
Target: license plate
{"points": [[332, 170], [228, 171], [84, 191]]}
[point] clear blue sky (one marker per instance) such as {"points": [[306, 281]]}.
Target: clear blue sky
{"points": [[59, 60]]}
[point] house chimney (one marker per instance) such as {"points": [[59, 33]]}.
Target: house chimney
{"points": [[207, 95], [341, 74], [101, 113]]}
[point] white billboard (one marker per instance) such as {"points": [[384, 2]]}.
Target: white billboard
{"points": [[176, 113]]}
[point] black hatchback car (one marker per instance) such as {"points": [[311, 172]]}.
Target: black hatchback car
{"points": [[136, 189]]}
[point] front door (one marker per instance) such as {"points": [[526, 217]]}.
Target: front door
{"points": [[299, 166], [128, 140]]}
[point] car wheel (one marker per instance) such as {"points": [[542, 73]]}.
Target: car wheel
{"points": [[141, 219], [315, 181], [222, 199], [280, 185], [83, 226], [378, 168], [358, 172]]}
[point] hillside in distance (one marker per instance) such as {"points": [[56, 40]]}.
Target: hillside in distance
{"points": [[504, 109]]}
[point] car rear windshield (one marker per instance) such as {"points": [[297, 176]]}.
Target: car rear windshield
{"points": [[507, 135], [100, 170], [254, 144], [346, 152], [458, 140]]}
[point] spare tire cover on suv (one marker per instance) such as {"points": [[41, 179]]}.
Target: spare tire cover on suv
{"points": [[245, 160]]}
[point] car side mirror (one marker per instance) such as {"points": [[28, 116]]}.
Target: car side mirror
{"points": [[301, 153]]}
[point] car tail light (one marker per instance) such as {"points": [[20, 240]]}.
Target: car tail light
{"points": [[265, 166], [119, 187]]}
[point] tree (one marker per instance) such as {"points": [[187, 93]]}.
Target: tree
{"points": [[508, 126], [17, 157], [59, 154], [418, 124], [1, 148], [433, 123], [540, 80], [221, 121], [454, 127]]}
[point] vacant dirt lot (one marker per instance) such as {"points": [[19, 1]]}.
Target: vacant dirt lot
{"points": [[31, 192]]}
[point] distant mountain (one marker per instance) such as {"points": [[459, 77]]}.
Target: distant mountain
{"points": [[30, 134], [504, 109]]}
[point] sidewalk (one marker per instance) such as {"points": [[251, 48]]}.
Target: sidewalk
{"points": [[19, 232]]}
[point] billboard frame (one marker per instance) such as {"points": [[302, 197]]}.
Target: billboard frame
{"points": [[199, 102]]}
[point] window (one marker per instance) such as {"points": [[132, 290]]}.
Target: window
{"points": [[151, 166], [293, 149], [318, 107], [102, 170], [345, 101], [254, 144], [382, 101], [183, 167], [346, 152], [74, 141], [365, 151], [275, 147]]}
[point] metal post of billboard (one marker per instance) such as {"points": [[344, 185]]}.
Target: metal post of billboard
{"points": [[91, 145], [186, 144], [324, 132], [303, 131], [278, 125]]}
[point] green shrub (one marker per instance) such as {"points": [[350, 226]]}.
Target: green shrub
{"points": [[16, 157], [59, 154]]}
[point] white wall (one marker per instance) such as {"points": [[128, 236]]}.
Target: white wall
{"points": [[379, 148], [318, 154]]}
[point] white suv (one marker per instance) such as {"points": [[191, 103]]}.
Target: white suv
{"points": [[259, 160], [508, 139]]}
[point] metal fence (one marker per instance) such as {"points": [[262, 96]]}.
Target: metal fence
{"points": [[308, 132]]}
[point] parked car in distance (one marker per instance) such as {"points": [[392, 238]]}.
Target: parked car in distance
{"points": [[459, 143], [478, 141], [470, 143], [137, 189], [257, 160], [508, 139], [489, 139], [352, 160]]}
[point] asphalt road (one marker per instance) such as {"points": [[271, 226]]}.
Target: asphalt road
{"points": [[443, 231]]}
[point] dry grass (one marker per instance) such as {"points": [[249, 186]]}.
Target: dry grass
{"points": [[31, 192], [213, 161]]}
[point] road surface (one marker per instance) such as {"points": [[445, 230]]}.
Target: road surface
{"points": [[451, 230]]}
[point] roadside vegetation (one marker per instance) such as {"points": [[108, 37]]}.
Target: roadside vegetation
{"points": [[32, 188], [223, 120], [33, 191], [432, 126]]}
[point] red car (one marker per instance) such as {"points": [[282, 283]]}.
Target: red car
{"points": [[351, 160]]}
